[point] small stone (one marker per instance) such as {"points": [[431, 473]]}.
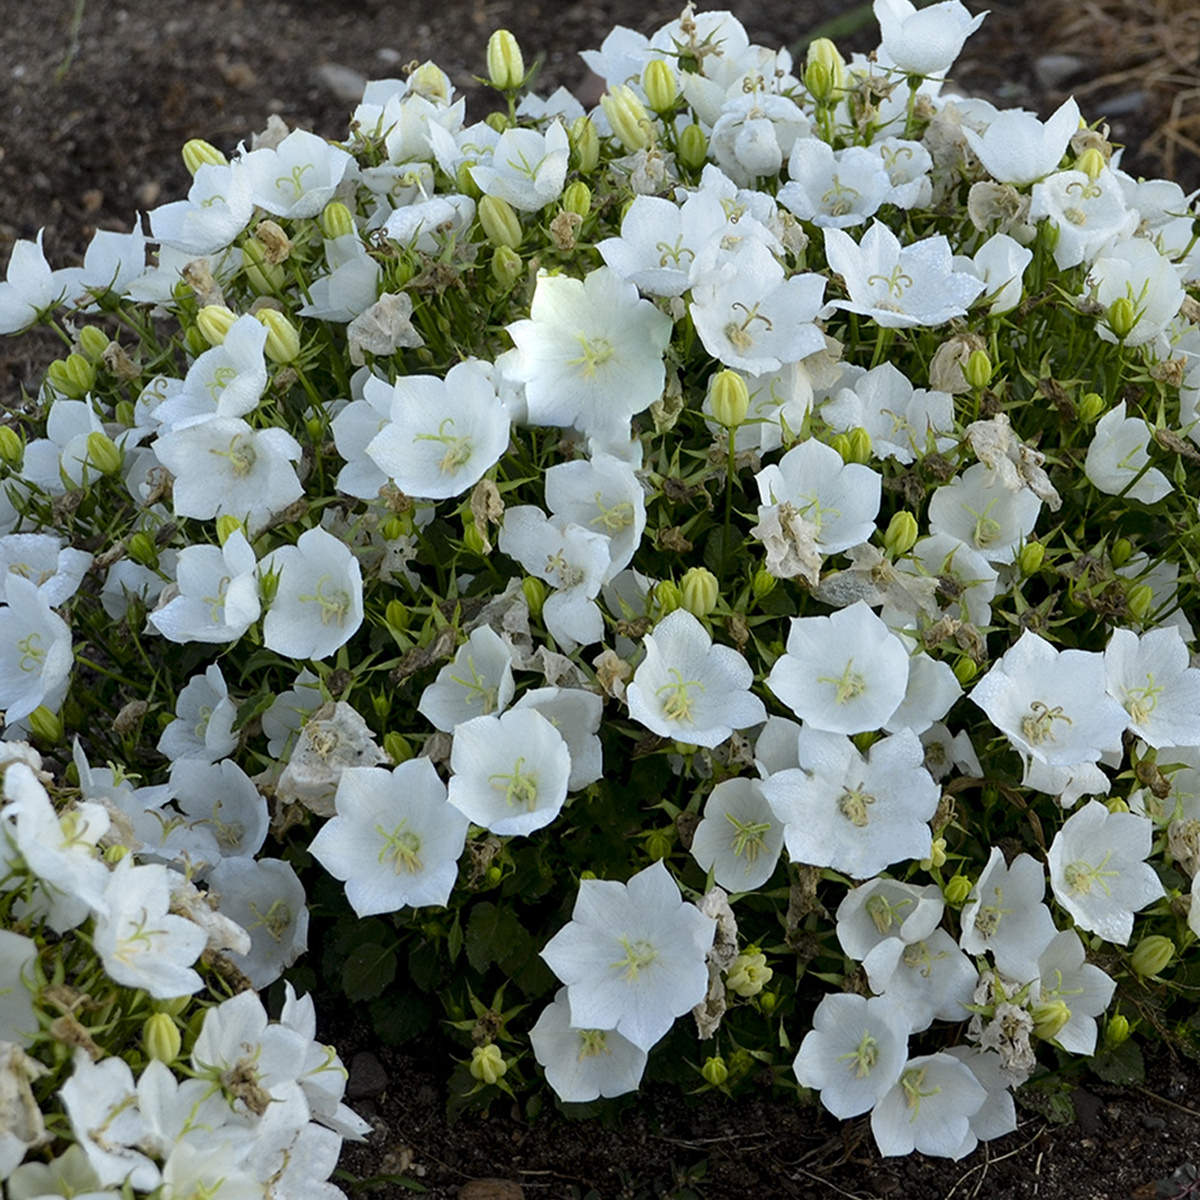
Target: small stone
{"points": [[345, 83], [367, 1076], [1054, 69], [389, 55], [1122, 105], [1150, 1121]]}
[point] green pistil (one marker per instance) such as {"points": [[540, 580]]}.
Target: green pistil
{"points": [[850, 684], [863, 1057], [748, 837], [678, 704], [401, 847], [638, 955], [517, 788]]}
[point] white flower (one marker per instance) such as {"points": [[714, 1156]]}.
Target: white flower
{"points": [[55, 569], [478, 682], [441, 435], [218, 207], [1134, 270], [754, 134], [929, 1109], [582, 1064], [1005, 914], [318, 604], [779, 401], [204, 717], [298, 177], [1117, 461], [1097, 869], [908, 165], [510, 771], [36, 654], [602, 494], [576, 714], [1084, 988], [30, 287], [976, 508], [998, 1115], [689, 689], [885, 909], [225, 381], [1150, 677], [223, 797], [632, 956], [1017, 148], [18, 1023], [216, 599], [925, 979], [1000, 262], [526, 168], [591, 352], [739, 837], [853, 1054], [853, 814], [834, 189], [1086, 213], [924, 42], [818, 679]]}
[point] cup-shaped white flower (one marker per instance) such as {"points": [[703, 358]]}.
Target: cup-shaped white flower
{"points": [[739, 837], [689, 689], [442, 434], [980, 511], [476, 683], [853, 1054], [223, 797], [602, 494], [632, 955], [56, 570], [1136, 271], [582, 1064], [35, 650], [204, 717], [887, 908], [1087, 214], [834, 188], [924, 42], [929, 1109], [30, 287], [1017, 148], [217, 597], [526, 168], [926, 979], [1098, 872], [1005, 914], [853, 814], [318, 604], [1083, 987], [218, 207], [845, 673], [298, 177], [576, 714], [395, 839], [1117, 460], [225, 381], [1150, 678], [510, 771]]}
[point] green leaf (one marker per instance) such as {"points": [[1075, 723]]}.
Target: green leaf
{"points": [[1050, 1099], [1122, 1065], [491, 934], [369, 968], [401, 1016]]}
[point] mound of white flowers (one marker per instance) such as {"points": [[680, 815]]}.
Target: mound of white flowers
{"points": [[728, 553]]}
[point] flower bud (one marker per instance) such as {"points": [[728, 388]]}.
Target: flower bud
{"points": [[497, 121], [1116, 1031], [1122, 550], [1091, 408], [1140, 600], [729, 398], [46, 726], [1031, 557], [397, 615], [1116, 804], [714, 1071], [161, 1039], [500, 223], [699, 591], [978, 369], [1152, 955], [818, 81], [628, 117], [103, 453], [12, 449], [659, 842], [1049, 1018], [487, 1063], [577, 198], [141, 548], [93, 342], [397, 527], [262, 275], [73, 376], [957, 889], [431, 82], [841, 443], [197, 152], [748, 974], [901, 533], [692, 147], [661, 85], [472, 537], [585, 145], [860, 445], [937, 855], [534, 591], [336, 220], [397, 747], [767, 1002], [763, 583], [214, 321], [506, 67], [668, 596], [283, 339], [823, 53], [965, 669], [114, 852], [493, 875], [1091, 163], [1122, 316]]}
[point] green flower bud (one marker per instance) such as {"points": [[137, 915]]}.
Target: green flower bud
{"points": [[1122, 317], [227, 526], [692, 147], [493, 875], [1049, 1018], [464, 180], [628, 117], [473, 537], [1031, 558], [824, 54], [12, 449], [978, 369], [103, 453], [381, 705], [197, 152], [73, 376], [860, 445], [263, 276], [397, 747], [818, 81], [1116, 804], [1152, 955], [1121, 552], [195, 341], [957, 889], [506, 67], [659, 842], [585, 145], [937, 855], [763, 583], [45, 725], [748, 974], [497, 121], [1091, 163], [141, 548], [1140, 600], [336, 220], [283, 339], [714, 1071], [661, 85], [729, 398], [668, 596], [397, 615], [577, 198], [767, 1002], [507, 267], [114, 853], [214, 321], [487, 1063], [123, 411], [841, 443], [1091, 408], [397, 527], [93, 342], [901, 533], [699, 591], [161, 1039], [965, 669], [534, 591], [500, 223], [1116, 1031]]}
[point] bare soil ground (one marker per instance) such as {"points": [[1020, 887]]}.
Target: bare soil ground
{"points": [[98, 96]]}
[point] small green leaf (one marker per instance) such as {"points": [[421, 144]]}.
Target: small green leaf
{"points": [[369, 968], [1122, 1065]]}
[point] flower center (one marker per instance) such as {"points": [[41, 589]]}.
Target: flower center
{"points": [[1038, 726], [852, 804], [678, 704], [478, 692], [849, 685], [401, 848], [1141, 702], [840, 198], [911, 1081], [458, 449], [518, 788], [292, 180], [987, 918], [594, 352], [241, 454], [863, 1057], [884, 913], [614, 518], [748, 837], [32, 652], [1081, 875], [897, 283], [222, 377], [334, 607], [638, 956], [591, 1043], [739, 334]]}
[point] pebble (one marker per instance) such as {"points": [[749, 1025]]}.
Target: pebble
{"points": [[1119, 106], [367, 1076], [345, 83], [1054, 69]]}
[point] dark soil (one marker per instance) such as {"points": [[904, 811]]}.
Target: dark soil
{"points": [[99, 97]]}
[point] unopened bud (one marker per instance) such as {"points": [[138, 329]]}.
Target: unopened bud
{"points": [[1031, 557], [12, 449], [1152, 955], [818, 81], [1091, 163], [978, 371], [901, 533], [197, 152], [431, 82], [141, 548], [1140, 600], [464, 180], [397, 527], [714, 1071], [93, 342], [506, 67], [1121, 552], [473, 537], [668, 596], [1116, 1031], [692, 147], [937, 855], [73, 376], [659, 843], [965, 669], [763, 583], [500, 223], [397, 614], [397, 747], [46, 726], [860, 445], [957, 889], [729, 398], [1091, 408], [487, 1063], [161, 1039], [1049, 1018], [585, 145], [841, 443], [748, 974], [1122, 316], [534, 591], [215, 321], [699, 591], [103, 453], [263, 276], [577, 198], [767, 1002], [628, 117], [1117, 804], [497, 121], [336, 220], [283, 339], [823, 53], [661, 85]]}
